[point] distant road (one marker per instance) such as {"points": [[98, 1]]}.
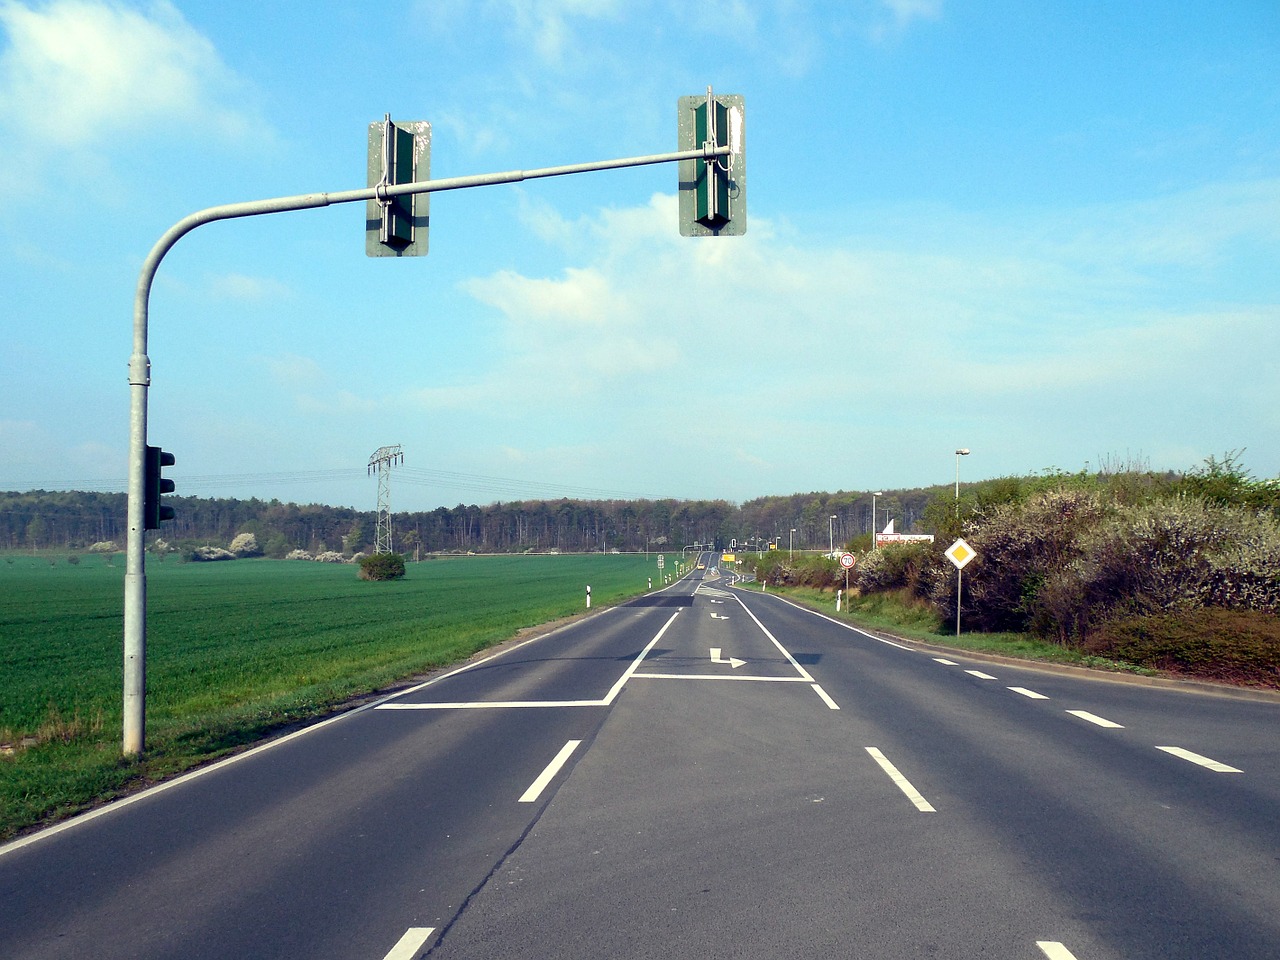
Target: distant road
{"points": [[701, 773]]}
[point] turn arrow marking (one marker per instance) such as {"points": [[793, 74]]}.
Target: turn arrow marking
{"points": [[732, 661]]}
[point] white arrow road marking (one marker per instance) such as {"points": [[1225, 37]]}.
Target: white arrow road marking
{"points": [[732, 661]]}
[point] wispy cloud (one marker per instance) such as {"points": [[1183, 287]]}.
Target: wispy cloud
{"points": [[80, 73]]}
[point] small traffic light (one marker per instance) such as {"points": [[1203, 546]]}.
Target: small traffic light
{"points": [[713, 191], [153, 485], [398, 153]]}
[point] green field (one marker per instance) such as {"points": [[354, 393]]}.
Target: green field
{"points": [[238, 649]]}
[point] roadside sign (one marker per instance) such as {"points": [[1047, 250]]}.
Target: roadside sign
{"points": [[847, 560], [662, 561], [960, 553]]}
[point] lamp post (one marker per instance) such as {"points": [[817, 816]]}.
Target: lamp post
{"points": [[791, 543], [875, 542], [962, 452], [831, 534]]}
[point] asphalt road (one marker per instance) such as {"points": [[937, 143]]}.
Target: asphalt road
{"points": [[701, 773]]}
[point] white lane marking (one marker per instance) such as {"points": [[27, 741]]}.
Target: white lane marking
{"points": [[407, 947], [536, 788], [1213, 765], [825, 697], [785, 652], [509, 704], [1094, 718], [1029, 693], [903, 784], [815, 613], [635, 664], [712, 676], [1054, 950], [491, 704], [979, 674], [945, 662]]}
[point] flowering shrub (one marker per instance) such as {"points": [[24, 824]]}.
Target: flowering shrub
{"points": [[331, 556], [1170, 556], [298, 555], [245, 545]]}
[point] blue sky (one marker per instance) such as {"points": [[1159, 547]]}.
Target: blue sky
{"points": [[1047, 232]]}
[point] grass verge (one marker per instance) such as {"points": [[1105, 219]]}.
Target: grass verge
{"points": [[896, 613]]}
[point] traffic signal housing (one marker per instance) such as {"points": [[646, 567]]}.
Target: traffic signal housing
{"points": [[398, 153], [713, 190], [153, 512]]}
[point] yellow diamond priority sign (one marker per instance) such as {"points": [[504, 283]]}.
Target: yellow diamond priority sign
{"points": [[960, 553]]}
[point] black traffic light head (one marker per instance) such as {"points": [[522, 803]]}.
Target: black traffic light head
{"points": [[154, 485]]}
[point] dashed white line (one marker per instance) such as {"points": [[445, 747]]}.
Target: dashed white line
{"points": [[1029, 693], [945, 662], [1213, 765], [1094, 718], [825, 698], [536, 788], [1054, 950], [407, 947], [979, 674], [903, 784]]}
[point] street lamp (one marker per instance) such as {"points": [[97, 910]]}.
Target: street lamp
{"points": [[962, 452], [791, 543], [831, 534], [875, 541]]}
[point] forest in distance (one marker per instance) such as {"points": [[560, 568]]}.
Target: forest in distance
{"points": [[74, 520], [71, 521]]}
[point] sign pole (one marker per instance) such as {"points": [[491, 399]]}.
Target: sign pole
{"points": [[959, 576]]}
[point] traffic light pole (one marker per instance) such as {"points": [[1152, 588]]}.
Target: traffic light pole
{"points": [[135, 579]]}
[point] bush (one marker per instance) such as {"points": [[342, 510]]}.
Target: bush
{"points": [[209, 554], [1020, 546], [245, 545], [894, 567], [382, 566], [1237, 646], [298, 555], [1167, 557]]}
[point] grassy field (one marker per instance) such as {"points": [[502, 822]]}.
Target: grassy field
{"points": [[238, 649]]}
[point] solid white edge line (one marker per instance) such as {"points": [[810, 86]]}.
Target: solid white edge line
{"points": [[1214, 765], [902, 783], [1054, 950], [825, 697], [1094, 718], [407, 946], [979, 674], [492, 704], [552, 768], [869, 636], [1029, 693]]}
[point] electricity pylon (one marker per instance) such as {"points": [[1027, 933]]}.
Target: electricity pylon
{"points": [[383, 459]]}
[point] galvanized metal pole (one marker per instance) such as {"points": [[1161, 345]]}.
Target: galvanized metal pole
{"points": [[135, 580]]}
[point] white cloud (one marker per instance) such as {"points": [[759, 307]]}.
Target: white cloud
{"points": [[77, 74], [239, 287]]}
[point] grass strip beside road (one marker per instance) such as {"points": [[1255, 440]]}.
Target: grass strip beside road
{"points": [[237, 651], [890, 614]]}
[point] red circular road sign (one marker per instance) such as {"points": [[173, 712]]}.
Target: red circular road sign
{"points": [[847, 560]]}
